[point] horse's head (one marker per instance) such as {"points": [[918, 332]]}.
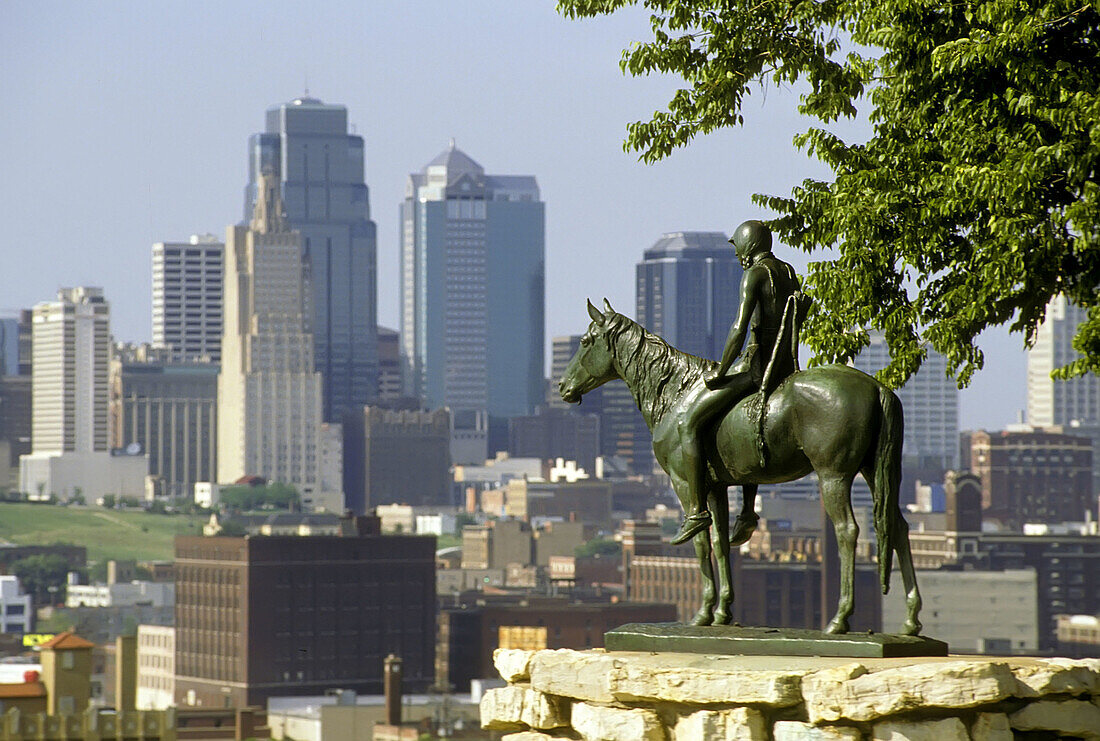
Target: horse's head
{"points": [[593, 365]]}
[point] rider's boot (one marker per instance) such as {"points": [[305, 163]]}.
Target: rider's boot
{"points": [[693, 525], [743, 528]]}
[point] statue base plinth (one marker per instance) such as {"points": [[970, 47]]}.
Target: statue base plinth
{"points": [[727, 640]]}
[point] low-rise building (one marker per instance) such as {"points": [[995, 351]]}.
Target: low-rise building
{"points": [[983, 612], [1078, 635], [16, 607], [154, 594]]}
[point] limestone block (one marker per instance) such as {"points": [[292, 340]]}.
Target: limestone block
{"points": [[795, 730], [579, 674], [1067, 717], [744, 724], [956, 684], [512, 663], [991, 727], [948, 729], [596, 723], [1058, 676], [509, 708], [645, 680], [534, 736]]}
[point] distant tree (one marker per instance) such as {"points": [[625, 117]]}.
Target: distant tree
{"points": [[40, 572], [231, 529], [78, 496], [108, 501], [975, 201], [271, 496], [598, 547]]}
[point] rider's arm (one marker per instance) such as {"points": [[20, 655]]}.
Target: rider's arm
{"points": [[740, 327]]}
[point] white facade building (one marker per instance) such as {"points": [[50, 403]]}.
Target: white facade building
{"points": [[930, 399], [16, 608], [187, 297], [151, 593], [156, 667], [70, 356], [269, 396]]}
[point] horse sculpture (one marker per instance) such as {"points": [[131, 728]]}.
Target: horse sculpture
{"points": [[834, 420]]}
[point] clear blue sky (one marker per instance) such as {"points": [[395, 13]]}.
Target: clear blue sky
{"points": [[126, 124]]}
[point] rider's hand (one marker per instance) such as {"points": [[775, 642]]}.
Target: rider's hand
{"points": [[713, 380]]}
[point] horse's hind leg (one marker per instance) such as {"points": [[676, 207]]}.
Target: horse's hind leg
{"points": [[836, 494], [900, 538], [719, 506]]}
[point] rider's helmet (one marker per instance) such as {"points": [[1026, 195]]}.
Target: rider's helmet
{"points": [[751, 238]]}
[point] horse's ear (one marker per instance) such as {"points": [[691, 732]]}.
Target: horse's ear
{"points": [[607, 306], [593, 312]]}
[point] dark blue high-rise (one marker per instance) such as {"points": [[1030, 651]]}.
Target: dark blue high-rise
{"points": [[320, 168]]}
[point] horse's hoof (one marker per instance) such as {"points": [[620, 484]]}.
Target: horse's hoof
{"points": [[743, 528], [703, 617], [722, 618], [911, 628], [837, 626]]}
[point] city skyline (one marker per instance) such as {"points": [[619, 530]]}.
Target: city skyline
{"points": [[549, 101]]}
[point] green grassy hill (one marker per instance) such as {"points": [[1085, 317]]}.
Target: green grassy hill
{"points": [[106, 533]]}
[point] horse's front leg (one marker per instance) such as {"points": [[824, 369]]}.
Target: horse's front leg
{"points": [[705, 615], [719, 506]]}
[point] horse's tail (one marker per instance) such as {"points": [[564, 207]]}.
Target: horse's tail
{"points": [[887, 473]]}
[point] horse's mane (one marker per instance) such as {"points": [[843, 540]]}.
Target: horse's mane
{"points": [[655, 372]]}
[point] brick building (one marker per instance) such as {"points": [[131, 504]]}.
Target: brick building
{"points": [[1033, 475], [285, 615]]}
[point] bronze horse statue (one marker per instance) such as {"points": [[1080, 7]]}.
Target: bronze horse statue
{"points": [[833, 419]]}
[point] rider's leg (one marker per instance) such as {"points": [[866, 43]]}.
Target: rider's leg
{"points": [[697, 424], [746, 522]]}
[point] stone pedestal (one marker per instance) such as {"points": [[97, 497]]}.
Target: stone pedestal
{"points": [[641, 696]]}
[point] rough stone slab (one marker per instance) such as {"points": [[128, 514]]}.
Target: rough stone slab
{"points": [[796, 730], [535, 736], [512, 663], [991, 727], [1058, 676], [948, 729], [511, 708], [596, 723], [680, 678], [648, 680], [583, 675], [744, 724], [1067, 717], [724, 640], [956, 684]]}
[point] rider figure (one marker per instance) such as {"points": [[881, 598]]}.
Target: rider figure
{"points": [[766, 286]]}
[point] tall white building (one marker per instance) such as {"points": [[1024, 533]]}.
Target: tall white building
{"points": [[473, 284], [187, 297], [1051, 402], [70, 355], [269, 396], [930, 399], [1073, 404]]}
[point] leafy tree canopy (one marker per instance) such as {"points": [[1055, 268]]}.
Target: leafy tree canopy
{"points": [[271, 496], [975, 201]]}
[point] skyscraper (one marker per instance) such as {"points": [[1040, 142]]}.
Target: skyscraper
{"points": [[930, 399], [472, 277], [269, 396], [1074, 403], [71, 349], [1051, 402], [70, 352], [320, 169], [187, 297], [688, 291]]}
